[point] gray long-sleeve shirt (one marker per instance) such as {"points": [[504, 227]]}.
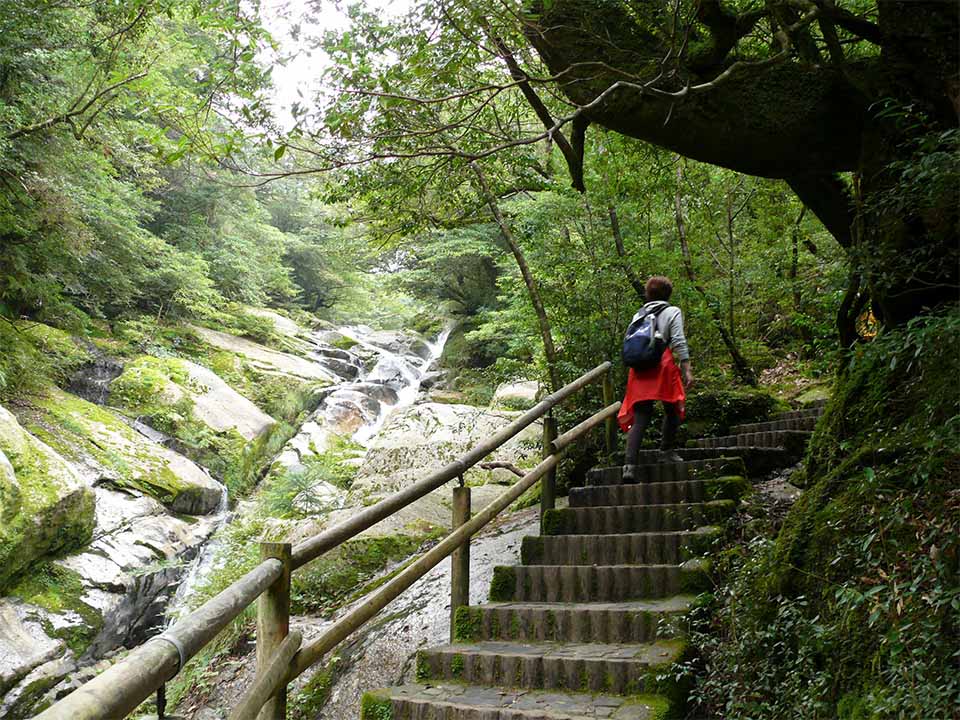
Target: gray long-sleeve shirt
{"points": [[670, 326]]}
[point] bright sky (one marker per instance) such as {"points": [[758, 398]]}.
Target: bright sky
{"points": [[297, 26]]}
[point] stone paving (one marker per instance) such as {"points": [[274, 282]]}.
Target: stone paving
{"points": [[515, 704]]}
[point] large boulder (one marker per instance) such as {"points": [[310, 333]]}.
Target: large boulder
{"points": [[109, 452], [149, 383], [264, 358], [419, 439], [46, 508], [398, 343], [516, 396]]}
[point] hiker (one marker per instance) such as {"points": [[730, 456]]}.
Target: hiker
{"points": [[654, 345]]}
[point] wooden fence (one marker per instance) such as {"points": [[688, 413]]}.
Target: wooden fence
{"points": [[281, 655]]}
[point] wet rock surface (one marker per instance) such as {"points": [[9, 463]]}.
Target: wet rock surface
{"points": [[383, 652]]}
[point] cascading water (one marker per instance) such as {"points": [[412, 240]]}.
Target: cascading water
{"points": [[380, 374]]}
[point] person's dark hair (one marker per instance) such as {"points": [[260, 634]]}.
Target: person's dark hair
{"points": [[658, 288]]}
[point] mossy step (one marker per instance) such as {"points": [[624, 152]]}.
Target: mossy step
{"points": [[793, 440], [756, 460], [597, 583], [625, 622], [810, 412], [457, 701], [669, 472], [646, 548], [619, 519], [731, 487], [808, 424], [588, 667]]}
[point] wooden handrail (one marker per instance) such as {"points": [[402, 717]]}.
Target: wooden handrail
{"points": [[124, 686], [328, 539]]}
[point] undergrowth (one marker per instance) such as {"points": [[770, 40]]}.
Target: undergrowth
{"points": [[852, 610]]}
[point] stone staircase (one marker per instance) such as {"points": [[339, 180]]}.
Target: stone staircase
{"points": [[591, 621]]}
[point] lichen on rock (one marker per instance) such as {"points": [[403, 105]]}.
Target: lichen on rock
{"points": [[47, 508]]}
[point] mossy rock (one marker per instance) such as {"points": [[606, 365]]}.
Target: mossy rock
{"points": [[87, 433], [47, 507], [60, 591], [503, 586], [375, 706], [729, 487]]}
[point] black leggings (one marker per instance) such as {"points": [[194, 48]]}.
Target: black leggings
{"points": [[642, 413]]}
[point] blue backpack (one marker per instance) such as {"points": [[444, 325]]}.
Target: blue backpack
{"points": [[643, 346]]}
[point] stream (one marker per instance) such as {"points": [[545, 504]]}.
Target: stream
{"points": [[382, 372]]}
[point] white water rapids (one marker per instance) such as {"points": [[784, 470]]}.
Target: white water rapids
{"points": [[382, 372]]}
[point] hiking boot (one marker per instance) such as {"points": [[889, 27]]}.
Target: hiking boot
{"points": [[628, 475], [669, 456]]}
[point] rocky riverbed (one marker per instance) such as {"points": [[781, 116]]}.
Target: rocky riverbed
{"points": [[112, 489]]}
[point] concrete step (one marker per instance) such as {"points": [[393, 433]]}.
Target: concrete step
{"points": [[809, 412], [654, 548], [756, 460], [731, 487], [627, 622], [587, 667], [669, 472], [793, 440], [807, 423], [620, 519], [597, 583], [457, 701], [662, 493]]}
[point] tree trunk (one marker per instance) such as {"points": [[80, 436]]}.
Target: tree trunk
{"points": [[546, 334], [740, 365], [622, 254]]}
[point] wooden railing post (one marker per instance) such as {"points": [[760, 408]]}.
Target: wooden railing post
{"points": [[548, 485], [460, 558], [273, 624], [610, 428]]}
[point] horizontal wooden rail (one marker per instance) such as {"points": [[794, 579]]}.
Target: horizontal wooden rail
{"points": [[124, 686], [382, 597], [328, 539], [315, 651], [267, 684], [591, 422], [119, 689]]}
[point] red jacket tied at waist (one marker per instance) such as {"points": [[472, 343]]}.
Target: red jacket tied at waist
{"points": [[658, 383]]}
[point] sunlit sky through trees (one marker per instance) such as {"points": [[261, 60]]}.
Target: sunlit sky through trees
{"points": [[298, 26]]}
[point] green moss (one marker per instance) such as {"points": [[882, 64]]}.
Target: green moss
{"points": [[457, 666], [344, 343], [504, 583], [658, 706], [344, 572], [467, 624], [516, 626], [34, 356], [374, 706], [145, 382], [312, 697], [557, 521], [700, 543], [695, 576], [423, 671], [532, 550], [75, 427], [47, 517], [729, 487], [717, 511], [60, 591]]}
